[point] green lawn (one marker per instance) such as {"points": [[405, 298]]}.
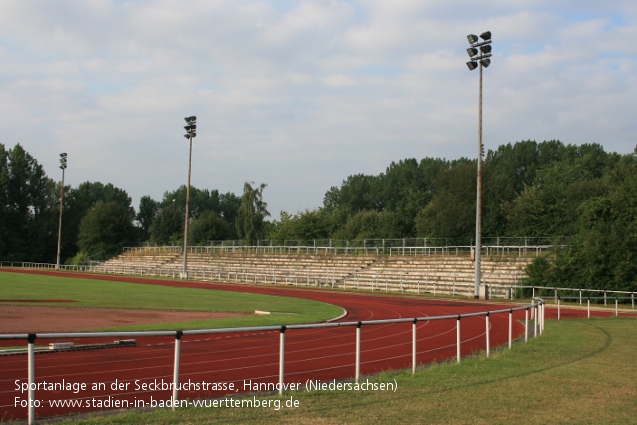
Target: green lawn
{"points": [[578, 372], [90, 293]]}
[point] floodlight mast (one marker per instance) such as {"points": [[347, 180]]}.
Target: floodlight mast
{"points": [[63, 165], [191, 131], [481, 60]]}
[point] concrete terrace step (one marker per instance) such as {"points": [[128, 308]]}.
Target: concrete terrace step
{"points": [[442, 274]]}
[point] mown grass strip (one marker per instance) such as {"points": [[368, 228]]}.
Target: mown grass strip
{"points": [[578, 372], [90, 293]]}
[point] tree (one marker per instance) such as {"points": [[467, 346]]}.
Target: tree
{"points": [[80, 200], [372, 225], [226, 205], [451, 212], [168, 226], [105, 228], [304, 226], [251, 224], [148, 208], [28, 228], [209, 227]]}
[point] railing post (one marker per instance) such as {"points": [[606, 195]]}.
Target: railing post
{"points": [[31, 378], [458, 338], [537, 319], [589, 308], [413, 346], [358, 352], [487, 334], [281, 359], [616, 311], [532, 309], [526, 325], [178, 335], [558, 308], [510, 329]]}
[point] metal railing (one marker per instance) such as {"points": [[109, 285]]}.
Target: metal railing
{"points": [[488, 250], [405, 246], [582, 293], [536, 308]]}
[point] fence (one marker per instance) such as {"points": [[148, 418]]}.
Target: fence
{"points": [[536, 308], [366, 249], [583, 294]]}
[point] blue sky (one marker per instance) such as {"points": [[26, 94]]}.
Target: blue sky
{"points": [[301, 94]]}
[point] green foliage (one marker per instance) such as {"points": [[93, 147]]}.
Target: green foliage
{"points": [[208, 227], [372, 225], [79, 259], [451, 212], [251, 224], [202, 200], [104, 229], [168, 226], [546, 190], [538, 272], [303, 226], [148, 208], [79, 201], [602, 252], [28, 225]]}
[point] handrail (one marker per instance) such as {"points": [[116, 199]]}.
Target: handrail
{"points": [[536, 306]]}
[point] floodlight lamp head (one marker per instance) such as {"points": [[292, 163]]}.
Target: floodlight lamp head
{"points": [[472, 65], [191, 120], [486, 36], [472, 51], [187, 136], [63, 155], [486, 49], [485, 62], [191, 127], [472, 38]]}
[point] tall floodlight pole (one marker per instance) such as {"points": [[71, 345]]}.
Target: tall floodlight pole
{"points": [[191, 131], [63, 165], [479, 58]]}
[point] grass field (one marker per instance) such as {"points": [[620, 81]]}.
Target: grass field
{"points": [[578, 372], [89, 293]]}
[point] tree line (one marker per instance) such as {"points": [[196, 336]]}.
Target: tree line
{"points": [[580, 196], [99, 219]]}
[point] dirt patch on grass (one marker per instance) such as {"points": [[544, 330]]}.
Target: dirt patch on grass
{"points": [[38, 319]]}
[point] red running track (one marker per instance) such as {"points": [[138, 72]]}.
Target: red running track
{"points": [[238, 358]]}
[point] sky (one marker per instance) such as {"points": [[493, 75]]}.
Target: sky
{"points": [[299, 95]]}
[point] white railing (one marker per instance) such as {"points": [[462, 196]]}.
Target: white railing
{"points": [[536, 308], [519, 250], [497, 250]]}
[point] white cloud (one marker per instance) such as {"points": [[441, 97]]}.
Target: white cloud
{"points": [[301, 93]]}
